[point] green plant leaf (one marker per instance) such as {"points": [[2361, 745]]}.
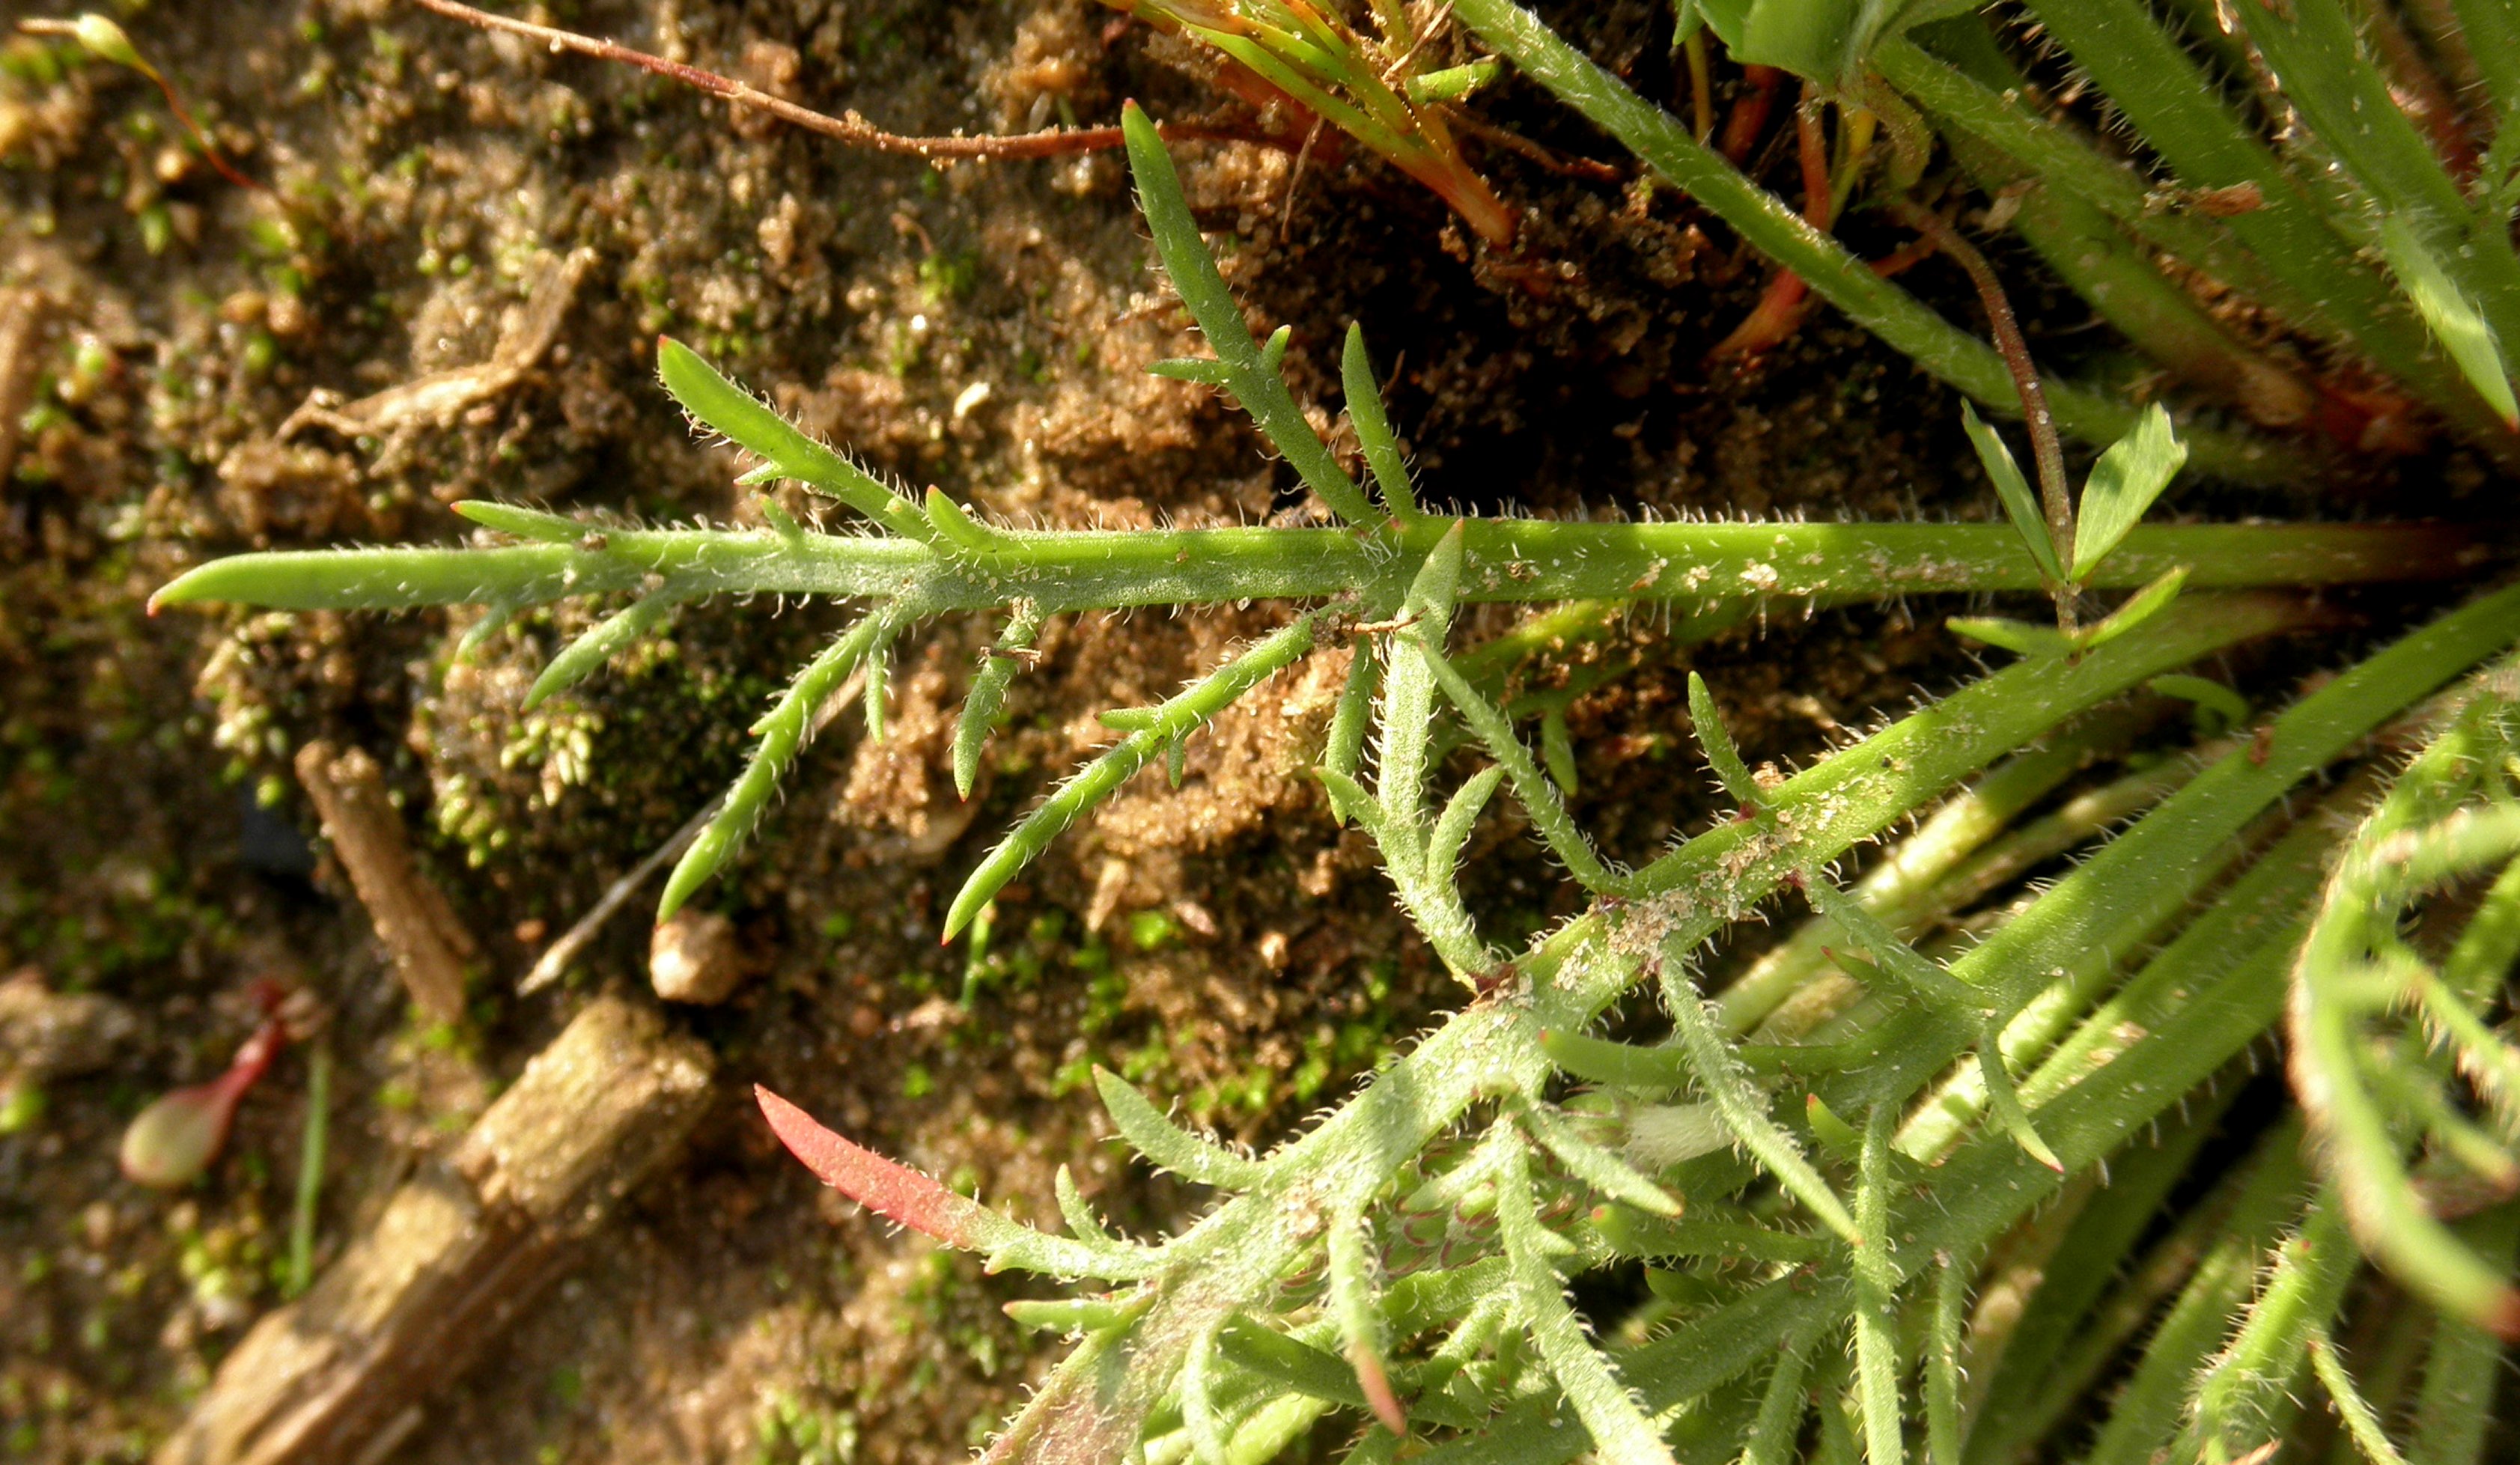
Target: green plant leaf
{"points": [[1707, 720], [2122, 486], [1822, 40], [724, 407], [2456, 321], [984, 703], [1192, 1157], [2020, 504], [2022, 638], [2140, 607]]}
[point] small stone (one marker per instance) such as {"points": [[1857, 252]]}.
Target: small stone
{"points": [[692, 958], [48, 1035]]}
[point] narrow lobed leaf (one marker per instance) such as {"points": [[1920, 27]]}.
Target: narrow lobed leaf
{"points": [[1460, 814], [1621, 1065], [581, 657], [1249, 372], [1595, 1165], [1537, 1298], [1632, 1234], [1743, 1104], [894, 1191], [531, 524], [1352, 1306], [1183, 713], [1708, 722], [2005, 1100], [783, 731], [1343, 750], [729, 409], [984, 703], [1374, 433], [2022, 638], [2140, 607], [1169, 1146]]}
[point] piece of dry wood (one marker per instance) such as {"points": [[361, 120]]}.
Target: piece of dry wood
{"points": [[429, 944], [343, 1374], [441, 397]]}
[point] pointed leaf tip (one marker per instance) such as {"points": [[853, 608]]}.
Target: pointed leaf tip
{"points": [[894, 1191], [1375, 1381]]}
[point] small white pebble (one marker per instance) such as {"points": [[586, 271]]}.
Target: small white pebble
{"points": [[692, 958]]}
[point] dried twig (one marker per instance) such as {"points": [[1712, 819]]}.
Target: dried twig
{"points": [[341, 1374], [106, 40], [412, 916], [23, 313], [438, 398], [848, 127]]}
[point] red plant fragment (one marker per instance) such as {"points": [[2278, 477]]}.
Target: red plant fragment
{"points": [[1749, 115], [1371, 1378], [894, 1191]]}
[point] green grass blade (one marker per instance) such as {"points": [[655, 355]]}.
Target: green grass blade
{"points": [[1943, 1437], [1777, 1431], [2456, 321], [1876, 1300], [2463, 1368], [2176, 106]]}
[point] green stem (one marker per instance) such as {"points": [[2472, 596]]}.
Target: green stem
{"points": [[1524, 560], [310, 1170]]}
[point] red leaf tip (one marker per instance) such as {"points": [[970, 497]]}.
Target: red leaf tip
{"points": [[892, 1190]]}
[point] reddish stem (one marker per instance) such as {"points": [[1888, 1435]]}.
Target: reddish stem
{"points": [[849, 128], [2009, 342], [1784, 303], [1749, 115]]}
